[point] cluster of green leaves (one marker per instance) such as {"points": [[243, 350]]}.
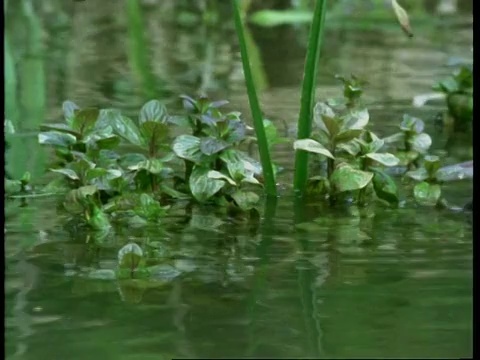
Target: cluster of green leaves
{"points": [[427, 191], [414, 142], [352, 154], [111, 164], [214, 165], [459, 96]]}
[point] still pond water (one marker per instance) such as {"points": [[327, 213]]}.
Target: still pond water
{"points": [[301, 282]]}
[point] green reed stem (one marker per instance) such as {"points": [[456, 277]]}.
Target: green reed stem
{"points": [[308, 94], [263, 149]]}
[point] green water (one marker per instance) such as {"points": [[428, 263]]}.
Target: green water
{"points": [[299, 282]]}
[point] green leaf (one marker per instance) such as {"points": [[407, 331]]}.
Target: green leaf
{"points": [[149, 208], [131, 159], [374, 142], [110, 142], [213, 174], [84, 120], [385, 159], [56, 139], [406, 157], [98, 220], [246, 200], [412, 124], [432, 165], [385, 187], [153, 111], [154, 133], [324, 118], [427, 194], [236, 131], [312, 146], [420, 142], [78, 200], [69, 108], [210, 146], [346, 178], [352, 147], [71, 174], [356, 119], [130, 256], [418, 174], [347, 135], [202, 186], [123, 126], [153, 166], [398, 137], [235, 166], [188, 147]]}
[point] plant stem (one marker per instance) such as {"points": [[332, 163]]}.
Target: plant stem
{"points": [[308, 94], [267, 168]]}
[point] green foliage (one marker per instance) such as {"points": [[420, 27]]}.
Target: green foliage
{"points": [[351, 154], [459, 96], [414, 142], [427, 191], [117, 168]]}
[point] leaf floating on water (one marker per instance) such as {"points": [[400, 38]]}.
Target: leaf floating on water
{"points": [[402, 18]]}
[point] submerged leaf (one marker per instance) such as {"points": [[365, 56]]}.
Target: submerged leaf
{"points": [[346, 178], [427, 194], [312, 146]]}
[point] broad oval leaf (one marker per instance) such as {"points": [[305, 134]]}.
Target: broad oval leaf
{"points": [[202, 186], [352, 147], [213, 174], [246, 200], [347, 135], [210, 145], [385, 159], [129, 256], [84, 120], [419, 174], [346, 178], [56, 138], [123, 126], [313, 147], [154, 133], [356, 119], [385, 187], [236, 131], [427, 194], [153, 111], [188, 147], [324, 118], [420, 142]]}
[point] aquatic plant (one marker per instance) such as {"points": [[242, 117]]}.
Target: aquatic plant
{"points": [[458, 89], [427, 191], [414, 142], [351, 154], [267, 167]]}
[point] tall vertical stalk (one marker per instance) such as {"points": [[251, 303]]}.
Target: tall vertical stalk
{"points": [[267, 167], [308, 94]]}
